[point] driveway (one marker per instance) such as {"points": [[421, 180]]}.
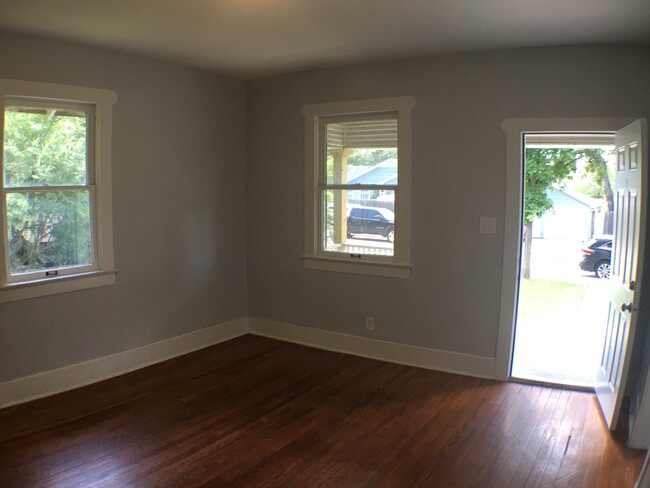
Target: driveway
{"points": [[557, 260]]}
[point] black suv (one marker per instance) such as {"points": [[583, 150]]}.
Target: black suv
{"points": [[371, 220], [597, 256]]}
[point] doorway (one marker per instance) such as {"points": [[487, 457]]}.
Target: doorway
{"points": [[625, 281], [566, 243]]}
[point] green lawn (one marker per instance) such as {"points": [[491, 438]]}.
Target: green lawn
{"points": [[542, 298]]}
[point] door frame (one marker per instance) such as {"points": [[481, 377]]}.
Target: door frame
{"points": [[515, 130]]}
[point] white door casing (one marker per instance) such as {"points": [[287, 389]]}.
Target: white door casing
{"points": [[516, 129], [627, 258]]}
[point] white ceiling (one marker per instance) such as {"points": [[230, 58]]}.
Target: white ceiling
{"points": [[253, 38]]}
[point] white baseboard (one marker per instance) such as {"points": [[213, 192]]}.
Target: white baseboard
{"points": [[76, 375], [452, 362], [69, 377]]}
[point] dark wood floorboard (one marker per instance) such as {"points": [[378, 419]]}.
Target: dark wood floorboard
{"points": [[255, 412]]}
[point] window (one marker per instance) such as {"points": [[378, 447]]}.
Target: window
{"points": [[358, 180], [56, 192]]}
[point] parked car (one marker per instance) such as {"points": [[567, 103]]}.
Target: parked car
{"points": [[597, 256], [371, 220]]}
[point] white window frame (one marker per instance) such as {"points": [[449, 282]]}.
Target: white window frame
{"points": [[98, 105], [397, 266]]}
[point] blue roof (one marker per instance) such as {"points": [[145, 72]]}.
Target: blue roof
{"points": [[383, 174], [560, 197]]}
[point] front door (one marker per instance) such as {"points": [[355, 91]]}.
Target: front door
{"points": [[627, 258]]}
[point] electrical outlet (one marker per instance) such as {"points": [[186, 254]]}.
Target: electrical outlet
{"points": [[370, 323]]}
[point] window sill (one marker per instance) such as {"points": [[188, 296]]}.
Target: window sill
{"points": [[63, 284], [388, 270]]}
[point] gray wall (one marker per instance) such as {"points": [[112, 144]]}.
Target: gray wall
{"points": [[451, 301], [208, 193], [179, 209]]}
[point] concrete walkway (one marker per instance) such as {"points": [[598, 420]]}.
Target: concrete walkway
{"points": [[564, 343]]}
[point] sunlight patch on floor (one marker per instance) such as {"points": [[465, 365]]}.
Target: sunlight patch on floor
{"points": [[560, 328]]}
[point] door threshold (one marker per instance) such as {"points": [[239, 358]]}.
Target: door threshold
{"points": [[562, 384]]}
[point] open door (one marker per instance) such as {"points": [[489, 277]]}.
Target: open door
{"points": [[627, 258]]}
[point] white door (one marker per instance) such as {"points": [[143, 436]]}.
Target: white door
{"points": [[627, 257]]}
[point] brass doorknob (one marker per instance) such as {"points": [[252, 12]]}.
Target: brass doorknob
{"points": [[626, 307]]}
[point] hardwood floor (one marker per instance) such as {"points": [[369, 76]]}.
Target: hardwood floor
{"points": [[254, 412]]}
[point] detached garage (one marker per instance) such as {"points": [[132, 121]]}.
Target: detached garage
{"points": [[573, 217]]}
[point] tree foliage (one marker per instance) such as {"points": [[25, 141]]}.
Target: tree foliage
{"points": [[47, 227], [544, 168], [371, 157], [600, 172]]}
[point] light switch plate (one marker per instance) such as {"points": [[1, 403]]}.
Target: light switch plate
{"points": [[488, 225]]}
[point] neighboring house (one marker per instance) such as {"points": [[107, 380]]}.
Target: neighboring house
{"points": [[384, 173], [573, 217]]}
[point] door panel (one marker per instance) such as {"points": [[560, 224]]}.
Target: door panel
{"points": [[627, 257]]}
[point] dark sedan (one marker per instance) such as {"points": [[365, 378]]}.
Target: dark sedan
{"points": [[597, 256]]}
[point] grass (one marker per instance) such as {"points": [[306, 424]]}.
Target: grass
{"points": [[541, 297]]}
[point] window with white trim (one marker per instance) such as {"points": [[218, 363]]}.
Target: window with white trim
{"points": [[358, 180], [55, 189]]}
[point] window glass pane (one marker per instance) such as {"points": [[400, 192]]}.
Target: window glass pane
{"points": [[44, 147], [359, 221], [48, 229], [362, 152]]}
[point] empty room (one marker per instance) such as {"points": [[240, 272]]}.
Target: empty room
{"points": [[301, 243]]}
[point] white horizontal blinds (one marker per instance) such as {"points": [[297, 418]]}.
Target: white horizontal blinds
{"points": [[362, 134], [569, 139], [360, 151]]}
